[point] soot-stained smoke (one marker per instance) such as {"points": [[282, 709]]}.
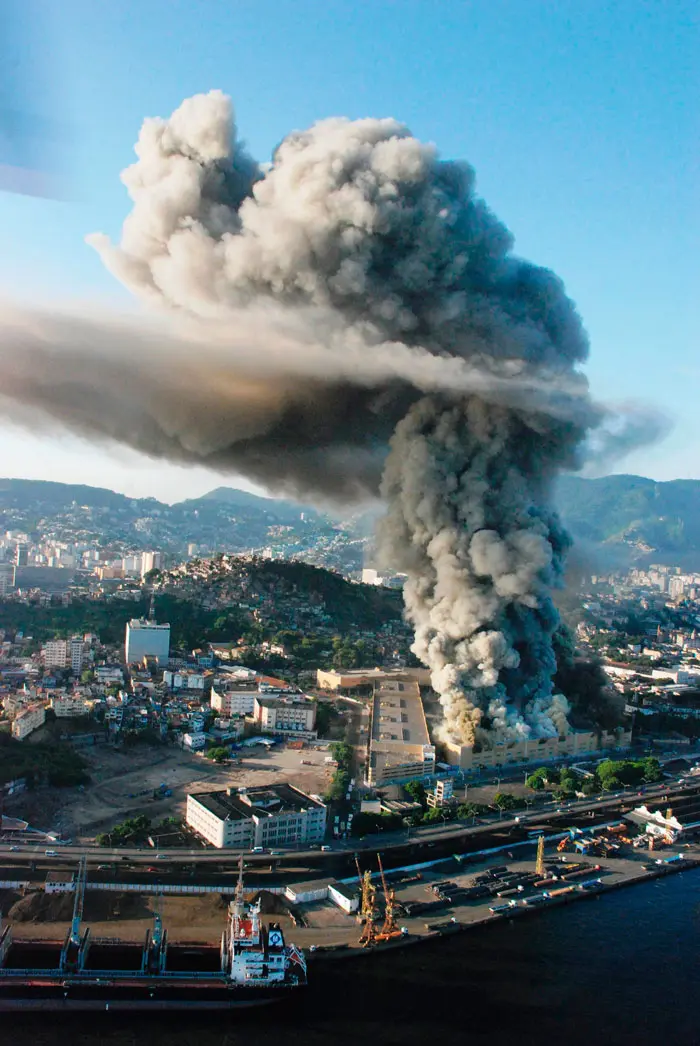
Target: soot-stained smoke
{"points": [[352, 296]]}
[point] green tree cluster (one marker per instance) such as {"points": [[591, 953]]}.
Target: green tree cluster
{"points": [[416, 791], [125, 832], [53, 763], [508, 801], [613, 774], [364, 824], [219, 754], [340, 782]]}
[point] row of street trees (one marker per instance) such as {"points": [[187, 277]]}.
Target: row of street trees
{"points": [[609, 776]]}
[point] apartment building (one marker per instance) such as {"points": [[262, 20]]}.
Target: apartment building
{"points": [[233, 702], [291, 716], [27, 721], [67, 706]]}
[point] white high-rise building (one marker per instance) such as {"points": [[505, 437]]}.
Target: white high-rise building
{"points": [[146, 639], [151, 561], [65, 653], [7, 578], [77, 655], [55, 653]]}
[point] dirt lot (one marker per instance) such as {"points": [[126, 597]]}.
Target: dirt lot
{"points": [[123, 782], [128, 916]]}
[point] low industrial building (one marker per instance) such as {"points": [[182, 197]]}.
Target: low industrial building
{"points": [[59, 882], [473, 758], [272, 815], [346, 897], [308, 892], [351, 679], [399, 743], [680, 820]]}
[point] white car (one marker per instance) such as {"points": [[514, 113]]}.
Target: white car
{"points": [[161, 857], [50, 853]]}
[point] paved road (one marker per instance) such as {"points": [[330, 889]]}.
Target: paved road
{"points": [[550, 814]]}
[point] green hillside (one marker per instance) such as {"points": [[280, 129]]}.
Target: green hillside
{"points": [[641, 514]]}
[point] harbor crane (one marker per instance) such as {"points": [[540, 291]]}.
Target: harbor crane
{"points": [[75, 947], [368, 908], [390, 929], [155, 952]]}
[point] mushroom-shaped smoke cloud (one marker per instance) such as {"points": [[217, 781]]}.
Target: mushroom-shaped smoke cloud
{"points": [[349, 312]]}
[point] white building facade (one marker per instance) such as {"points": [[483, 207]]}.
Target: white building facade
{"points": [[146, 639], [233, 702], [27, 721], [67, 707], [279, 715], [276, 815]]}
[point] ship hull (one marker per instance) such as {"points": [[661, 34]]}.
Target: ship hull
{"points": [[47, 994]]}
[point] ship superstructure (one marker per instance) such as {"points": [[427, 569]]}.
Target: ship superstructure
{"points": [[255, 954]]}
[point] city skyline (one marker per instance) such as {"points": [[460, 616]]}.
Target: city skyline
{"points": [[575, 121]]}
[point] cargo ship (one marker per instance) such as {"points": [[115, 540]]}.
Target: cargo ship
{"points": [[253, 966]]}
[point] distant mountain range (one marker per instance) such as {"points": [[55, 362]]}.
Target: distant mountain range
{"points": [[642, 516], [629, 515]]}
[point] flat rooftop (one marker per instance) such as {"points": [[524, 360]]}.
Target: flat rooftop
{"points": [[397, 713], [282, 701], [266, 801]]}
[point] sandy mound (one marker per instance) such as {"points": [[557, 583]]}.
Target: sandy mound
{"points": [[99, 907], [7, 899], [42, 908]]}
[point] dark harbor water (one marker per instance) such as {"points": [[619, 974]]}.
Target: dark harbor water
{"points": [[619, 969]]}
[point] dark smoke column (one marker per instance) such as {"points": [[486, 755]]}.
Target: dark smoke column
{"points": [[359, 235], [468, 521]]}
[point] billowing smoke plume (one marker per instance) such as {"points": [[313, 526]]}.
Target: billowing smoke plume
{"points": [[354, 288]]}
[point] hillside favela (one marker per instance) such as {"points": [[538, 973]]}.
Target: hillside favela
{"points": [[349, 524]]}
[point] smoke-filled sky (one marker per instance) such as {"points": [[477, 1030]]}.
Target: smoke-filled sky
{"points": [[579, 129], [345, 322]]}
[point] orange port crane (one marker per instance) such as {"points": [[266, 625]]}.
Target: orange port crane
{"points": [[368, 908], [390, 929]]}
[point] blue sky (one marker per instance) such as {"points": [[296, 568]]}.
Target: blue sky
{"points": [[580, 118]]}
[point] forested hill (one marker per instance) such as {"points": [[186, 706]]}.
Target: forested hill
{"points": [[284, 594], [640, 514]]}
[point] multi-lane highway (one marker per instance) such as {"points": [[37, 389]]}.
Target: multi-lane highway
{"points": [[398, 846]]}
